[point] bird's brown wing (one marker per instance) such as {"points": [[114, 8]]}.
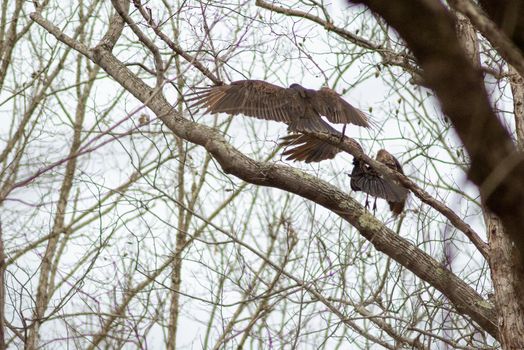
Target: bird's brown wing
{"points": [[254, 98], [331, 105]]}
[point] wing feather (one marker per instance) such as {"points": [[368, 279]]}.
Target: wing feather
{"points": [[331, 105], [307, 148], [366, 179], [254, 98]]}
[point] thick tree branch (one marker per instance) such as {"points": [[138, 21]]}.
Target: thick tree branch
{"points": [[116, 26]]}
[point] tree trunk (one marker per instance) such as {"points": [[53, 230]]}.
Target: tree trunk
{"points": [[506, 273], [504, 267]]}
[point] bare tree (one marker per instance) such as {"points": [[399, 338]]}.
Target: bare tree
{"points": [[131, 220]]}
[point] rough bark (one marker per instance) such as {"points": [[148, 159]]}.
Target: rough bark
{"points": [[180, 246], [517, 90], [506, 271]]}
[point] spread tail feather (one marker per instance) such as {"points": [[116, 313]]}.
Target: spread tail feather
{"points": [[307, 148], [397, 207]]}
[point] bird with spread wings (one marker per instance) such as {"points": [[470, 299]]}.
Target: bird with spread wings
{"points": [[302, 110]]}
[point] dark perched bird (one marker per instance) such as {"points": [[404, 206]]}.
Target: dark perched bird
{"points": [[363, 178], [300, 108], [366, 179], [509, 16]]}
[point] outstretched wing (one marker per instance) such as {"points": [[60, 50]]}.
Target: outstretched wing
{"points": [[254, 98], [331, 105]]}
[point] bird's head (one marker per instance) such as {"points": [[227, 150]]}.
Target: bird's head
{"points": [[296, 86], [382, 153], [302, 91]]}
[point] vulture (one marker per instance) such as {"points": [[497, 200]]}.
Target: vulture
{"points": [[300, 108], [368, 180], [363, 177]]}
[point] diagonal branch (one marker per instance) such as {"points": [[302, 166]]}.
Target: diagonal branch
{"points": [[389, 57]]}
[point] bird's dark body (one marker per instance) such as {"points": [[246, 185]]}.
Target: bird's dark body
{"points": [[302, 91], [309, 119], [366, 179]]}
